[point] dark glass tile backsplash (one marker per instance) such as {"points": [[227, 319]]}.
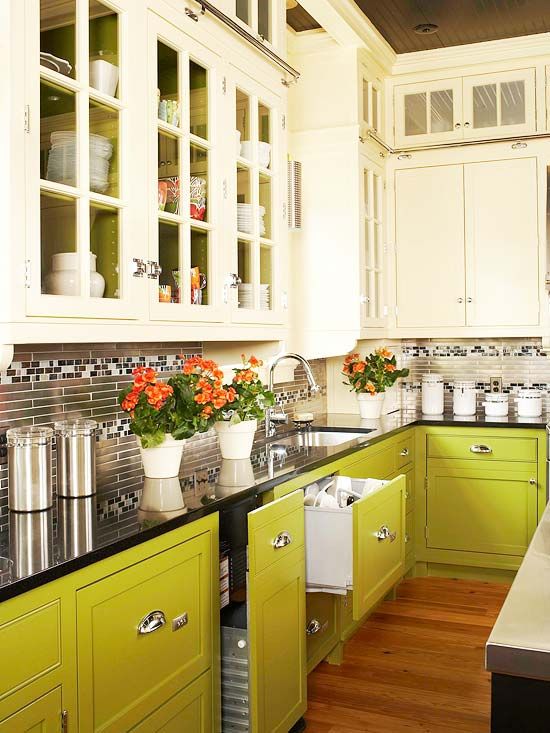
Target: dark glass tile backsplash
{"points": [[47, 382]]}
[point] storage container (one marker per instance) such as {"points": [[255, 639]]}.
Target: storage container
{"points": [[30, 468], [76, 446], [496, 404], [464, 398], [529, 402], [432, 394]]}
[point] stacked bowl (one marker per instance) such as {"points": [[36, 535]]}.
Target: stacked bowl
{"points": [[62, 159]]}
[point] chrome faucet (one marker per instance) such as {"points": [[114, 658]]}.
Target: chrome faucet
{"points": [[272, 417]]}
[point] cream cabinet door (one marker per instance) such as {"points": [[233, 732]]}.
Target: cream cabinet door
{"points": [[429, 205], [429, 112], [502, 243], [499, 104]]}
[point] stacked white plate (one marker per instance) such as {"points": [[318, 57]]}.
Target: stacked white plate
{"points": [[246, 296], [63, 155], [245, 213]]}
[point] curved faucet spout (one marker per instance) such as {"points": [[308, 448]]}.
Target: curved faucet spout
{"points": [[272, 418]]}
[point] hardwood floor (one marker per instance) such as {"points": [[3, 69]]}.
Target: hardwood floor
{"points": [[416, 666]]}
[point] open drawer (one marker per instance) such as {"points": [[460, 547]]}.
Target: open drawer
{"points": [[360, 547]]}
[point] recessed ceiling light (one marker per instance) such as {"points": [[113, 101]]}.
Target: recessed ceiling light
{"points": [[291, 4], [424, 29]]}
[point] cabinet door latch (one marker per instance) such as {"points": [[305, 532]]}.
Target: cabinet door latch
{"points": [[27, 273], [65, 721]]}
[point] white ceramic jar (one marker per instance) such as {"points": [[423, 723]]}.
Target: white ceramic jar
{"points": [[432, 394], [496, 404], [529, 402], [464, 398], [64, 276]]}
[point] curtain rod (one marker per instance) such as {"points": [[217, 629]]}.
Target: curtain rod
{"points": [[257, 42]]}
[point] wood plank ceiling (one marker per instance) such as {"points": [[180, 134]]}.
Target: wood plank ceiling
{"points": [[459, 21]]}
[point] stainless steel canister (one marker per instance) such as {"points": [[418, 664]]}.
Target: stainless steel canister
{"points": [[30, 468], [76, 444]]}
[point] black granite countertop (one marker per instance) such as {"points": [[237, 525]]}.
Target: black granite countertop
{"points": [[42, 546]]}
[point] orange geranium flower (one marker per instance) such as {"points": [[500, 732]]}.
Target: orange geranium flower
{"points": [[389, 367], [370, 388], [384, 353], [359, 368], [350, 358]]}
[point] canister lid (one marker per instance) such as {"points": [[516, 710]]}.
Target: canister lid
{"points": [[530, 393], [29, 435], [432, 378], [464, 384], [78, 426], [496, 397]]}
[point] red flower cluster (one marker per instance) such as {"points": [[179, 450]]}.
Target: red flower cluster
{"points": [[145, 380]]}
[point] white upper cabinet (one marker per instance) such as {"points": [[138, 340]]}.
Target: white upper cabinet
{"points": [[428, 112], [371, 96], [486, 106], [373, 246], [430, 247], [467, 243]]}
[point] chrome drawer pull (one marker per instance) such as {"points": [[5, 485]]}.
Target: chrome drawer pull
{"points": [[481, 449], [407, 538], [385, 534], [283, 539], [313, 627], [152, 622], [533, 481], [404, 452]]}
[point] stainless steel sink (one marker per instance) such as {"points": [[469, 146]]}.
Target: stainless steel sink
{"points": [[321, 438]]}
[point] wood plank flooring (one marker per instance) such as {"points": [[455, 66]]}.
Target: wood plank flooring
{"points": [[416, 665]]}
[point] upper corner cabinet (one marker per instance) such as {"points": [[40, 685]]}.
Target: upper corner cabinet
{"points": [[261, 17], [80, 224], [473, 107]]}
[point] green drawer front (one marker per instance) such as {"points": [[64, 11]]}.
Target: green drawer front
{"points": [[282, 520], [30, 641], [379, 465], [122, 673], [482, 447], [320, 624]]}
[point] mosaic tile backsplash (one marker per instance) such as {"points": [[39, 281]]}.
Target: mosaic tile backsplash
{"points": [[49, 382], [518, 362]]}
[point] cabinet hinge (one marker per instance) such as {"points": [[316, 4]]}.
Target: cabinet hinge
{"points": [[385, 311], [65, 721], [27, 273], [426, 532], [224, 188], [426, 483], [224, 85], [284, 209], [283, 122], [27, 118]]}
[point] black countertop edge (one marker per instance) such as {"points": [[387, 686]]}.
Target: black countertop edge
{"points": [[387, 427]]}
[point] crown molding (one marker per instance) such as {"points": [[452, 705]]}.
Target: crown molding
{"points": [[472, 54]]}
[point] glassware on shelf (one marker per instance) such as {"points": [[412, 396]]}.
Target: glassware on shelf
{"points": [[198, 284], [198, 198]]}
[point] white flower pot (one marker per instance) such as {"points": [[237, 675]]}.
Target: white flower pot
{"points": [[236, 440], [370, 406], [162, 461]]}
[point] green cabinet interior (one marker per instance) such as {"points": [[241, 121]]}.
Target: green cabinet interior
{"points": [[277, 616], [40, 716]]}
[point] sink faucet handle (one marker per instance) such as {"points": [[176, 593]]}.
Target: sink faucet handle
{"points": [[280, 417]]}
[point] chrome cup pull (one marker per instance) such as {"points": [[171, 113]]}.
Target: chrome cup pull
{"points": [[313, 627], [152, 622], [283, 539], [404, 452], [481, 449], [385, 534]]}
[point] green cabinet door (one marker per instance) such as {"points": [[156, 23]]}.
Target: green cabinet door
{"points": [[190, 711], [482, 508], [41, 716], [144, 634], [321, 626], [378, 544], [277, 616]]}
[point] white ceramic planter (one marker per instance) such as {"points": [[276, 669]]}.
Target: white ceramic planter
{"points": [[370, 406], [236, 440], [162, 461]]}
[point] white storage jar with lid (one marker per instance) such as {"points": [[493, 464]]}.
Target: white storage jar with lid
{"points": [[432, 394], [496, 404], [464, 398], [529, 402]]}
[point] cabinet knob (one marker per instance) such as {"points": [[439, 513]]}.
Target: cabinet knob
{"points": [[404, 452], [385, 534], [533, 481], [466, 124], [152, 622], [283, 539], [233, 280], [460, 300], [481, 449], [364, 299], [313, 627], [457, 126], [469, 300]]}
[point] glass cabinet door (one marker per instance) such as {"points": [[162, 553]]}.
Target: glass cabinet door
{"points": [[373, 251], [256, 200], [76, 182], [371, 107], [499, 104], [258, 15], [430, 112], [185, 254]]}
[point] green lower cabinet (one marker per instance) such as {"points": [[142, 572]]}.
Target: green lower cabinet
{"points": [[321, 626], [277, 615], [188, 711], [40, 716], [488, 509]]}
